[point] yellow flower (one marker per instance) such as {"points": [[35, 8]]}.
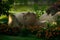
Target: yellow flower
{"points": [[54, 23]]}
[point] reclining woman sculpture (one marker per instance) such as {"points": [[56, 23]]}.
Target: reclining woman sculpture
{"points": [[21, 19]]}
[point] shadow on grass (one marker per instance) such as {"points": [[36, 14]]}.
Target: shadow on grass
{"points": [[8, 37]]}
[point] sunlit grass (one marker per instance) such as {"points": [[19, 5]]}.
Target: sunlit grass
{"points": [[3, 16], [3, 19], [18, 8]]}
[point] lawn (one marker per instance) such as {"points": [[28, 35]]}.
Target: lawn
{"points": [[24, 8], [7, 37]]}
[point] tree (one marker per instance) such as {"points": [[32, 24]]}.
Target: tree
{"points": [[5, 5], [0, 7]]}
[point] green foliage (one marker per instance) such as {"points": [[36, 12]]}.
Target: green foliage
{"points": [[58, 20], [36, 8], [5, 6], [51, 25], [39, 9], [3, 19], [25, 31]]}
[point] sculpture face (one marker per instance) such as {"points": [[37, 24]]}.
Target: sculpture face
{"points": [[53, 9]]}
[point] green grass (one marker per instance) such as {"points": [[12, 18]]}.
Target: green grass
{"points": [[24, 8], [6, 37], [18, 8], [3, 16], [3, 19]]}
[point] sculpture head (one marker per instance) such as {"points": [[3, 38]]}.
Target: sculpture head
{"points": [[53, 9]]}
